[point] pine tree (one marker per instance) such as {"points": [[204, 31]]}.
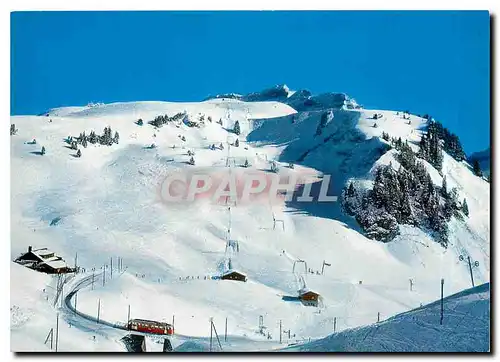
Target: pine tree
{"points": [[236, 129], [246, 164], [465, 208], [78, 153], [350, 190], [237, 143], [13, 129], [444, 189], [209, 119], [42, 152], [84, 143], [477, 169], [220, 121], [191, 161], [140, 122], [116, 139]]}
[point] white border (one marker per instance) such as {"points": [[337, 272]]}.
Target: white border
{"points": [[23, 5]]}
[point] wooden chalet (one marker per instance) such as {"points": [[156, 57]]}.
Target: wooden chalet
{"points": [[234, 275], [44, 260], [309, 298]]}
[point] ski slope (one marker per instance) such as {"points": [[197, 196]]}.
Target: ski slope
{"points": [[109, 207], [465, 328]]}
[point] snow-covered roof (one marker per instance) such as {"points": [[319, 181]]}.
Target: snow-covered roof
{"points": [[56, 264]]}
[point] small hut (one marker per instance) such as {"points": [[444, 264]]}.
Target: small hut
{"points": [[308, 297], [234, 275]]}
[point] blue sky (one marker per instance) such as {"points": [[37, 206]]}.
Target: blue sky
{"points": [[427, 62]]}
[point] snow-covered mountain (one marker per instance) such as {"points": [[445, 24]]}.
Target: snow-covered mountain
{"points": [[107, 205]]}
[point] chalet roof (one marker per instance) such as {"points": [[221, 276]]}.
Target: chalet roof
{"points": [[56, 264], [232, 271], [307, 291]]}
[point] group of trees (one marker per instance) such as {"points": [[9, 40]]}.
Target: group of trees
{"points": [[106, 139], [450, 141], [160, 120], [13, 129], [405, 196], [213, 147], [476, 168]]}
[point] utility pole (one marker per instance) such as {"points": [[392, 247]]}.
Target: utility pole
{"points": [[128, 316], [76, 259], [57, 331], [76, 298], [442, 284], [173, 321], [225, 332], [378, 317], [111, 262], [470, 269], [411, 285], [216, 335], [98, 309], [323, 267], [280, 331], [476, 264], [210, 334], [51, 336], [334, 324], [103, 275], [93, 274]]}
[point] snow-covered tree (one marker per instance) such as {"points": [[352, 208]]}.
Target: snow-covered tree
{"points": [[42, 152], [477, 169], [236, 129], [237, 143], [246, 164], [191, 161], [78, 153], [444, 188], [13, 129], [465, 208]]}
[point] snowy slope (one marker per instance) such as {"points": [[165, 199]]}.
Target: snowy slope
{"points": [[109, 207], [465, 328]]}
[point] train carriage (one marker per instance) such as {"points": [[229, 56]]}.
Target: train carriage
{"points": [[148, 326]]}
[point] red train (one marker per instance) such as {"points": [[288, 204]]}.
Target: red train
{"points": [[146, 326]]}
